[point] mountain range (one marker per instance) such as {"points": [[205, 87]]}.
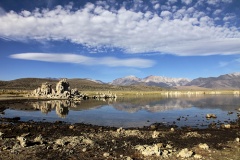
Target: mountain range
{"points": [[227, 81], [159, 81], [129, 83]]}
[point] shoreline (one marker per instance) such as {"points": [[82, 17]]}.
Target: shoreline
{"points": [[26, 104], [59, 140], [44, 140]]}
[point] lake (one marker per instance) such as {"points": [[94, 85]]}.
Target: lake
{"points": [[132, 111]]}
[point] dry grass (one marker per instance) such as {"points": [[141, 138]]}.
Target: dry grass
{"points": [[81, 84], [24, 85]]}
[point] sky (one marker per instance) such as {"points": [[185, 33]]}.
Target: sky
{"points": [[109, 39]]}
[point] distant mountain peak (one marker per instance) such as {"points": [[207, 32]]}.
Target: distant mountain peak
{"points": [[131, 76], [235, 74], [125, 81], [226, 81], [151, 81], [96, 81]]}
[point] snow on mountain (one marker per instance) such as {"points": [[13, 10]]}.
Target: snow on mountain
{"points": [[151, 81], [236, 74], [226, 81], [125, 81], [169, 81], [96, 81]]}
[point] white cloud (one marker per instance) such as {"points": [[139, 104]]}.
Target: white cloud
{"points": [[172, 1], [217, 2], [165, 7], [165, 14], [84, 60], [25, 13], [229, 17], [206, 47], [187, 2], [217, 11], [156, 6], [213, 2], [181, 31]]}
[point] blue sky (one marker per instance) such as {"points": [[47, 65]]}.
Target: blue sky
{"points": [[110, 39]]}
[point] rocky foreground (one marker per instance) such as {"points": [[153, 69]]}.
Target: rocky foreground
{"points": [[59, 140], [38, 140]]}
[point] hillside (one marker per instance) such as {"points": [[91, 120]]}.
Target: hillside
{"points": [[81, 84], [132, 83], [227, 81], [25, 83]]}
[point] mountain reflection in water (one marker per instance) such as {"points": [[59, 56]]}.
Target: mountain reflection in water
{"points": [[131, 111], [135, 104]]}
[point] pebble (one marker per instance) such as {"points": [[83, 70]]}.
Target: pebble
{"points": [[227, 126], [153, 127], [203, 146], [165, 153], [197, 156], [106, 154], [208, 116], [119, 130], [71, 127], [185, 153], [23, 141], [39, 139], [155, 134], [237, 139], [128, 158]]}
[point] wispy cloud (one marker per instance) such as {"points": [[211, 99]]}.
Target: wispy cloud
{"points": [[166, 28], [224, 64], [228, 63], [85, 60]]}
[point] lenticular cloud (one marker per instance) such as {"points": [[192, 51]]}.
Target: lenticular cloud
{"points": [[85, 60], [163, 28]]}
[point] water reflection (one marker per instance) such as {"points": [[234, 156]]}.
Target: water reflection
{"points": [[136, 104], [157, 104], [131, 111], [152, 106], [61, 107]]}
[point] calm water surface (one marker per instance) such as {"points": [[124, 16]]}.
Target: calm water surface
{"points": [[131, 112]]}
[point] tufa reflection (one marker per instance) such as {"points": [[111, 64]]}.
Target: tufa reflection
{"points": [[61, 107]]}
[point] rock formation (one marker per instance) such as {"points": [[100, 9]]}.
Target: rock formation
{"points": [[62, 86], [62, 91], [104, 95], [45, 89]]}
